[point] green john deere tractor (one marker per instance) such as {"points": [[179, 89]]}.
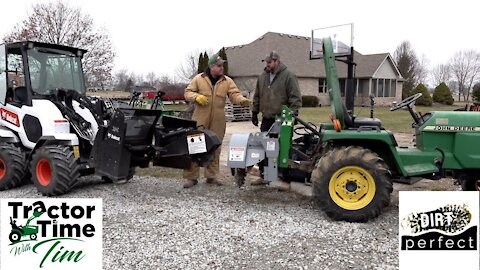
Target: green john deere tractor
{"points": [[353, 161]]}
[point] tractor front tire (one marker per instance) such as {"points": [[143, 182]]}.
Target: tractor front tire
{"points": [[54, 169], [12, 166], [352, 184]]}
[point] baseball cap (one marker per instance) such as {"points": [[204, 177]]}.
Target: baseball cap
{"points": [[273, 55], [215, 60]]}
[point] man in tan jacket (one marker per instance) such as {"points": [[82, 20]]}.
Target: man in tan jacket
{"points": [[209, 91]]}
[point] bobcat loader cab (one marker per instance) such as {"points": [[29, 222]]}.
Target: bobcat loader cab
{"points": [[51, 130], [29, 73]]}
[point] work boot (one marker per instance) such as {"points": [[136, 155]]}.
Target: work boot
{"points": [[257, 181], [281, 185], [190, 183], [213, 181]]}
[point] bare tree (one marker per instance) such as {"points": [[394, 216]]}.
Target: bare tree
{"points": [[60, 24], [151, 79], [189, 68], [120, 79], [407, 63], [441, 73], [421, 74], [164, 80], [137, 78], [465, 67]]}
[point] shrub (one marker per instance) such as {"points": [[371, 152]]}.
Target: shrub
{"points": [[425, 99], [476, 92], [442, 94], [310, 101]]}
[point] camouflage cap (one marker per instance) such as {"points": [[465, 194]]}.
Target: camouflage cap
{"points": [[273, 55]]}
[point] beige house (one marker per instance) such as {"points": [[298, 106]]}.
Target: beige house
{"points": [[375, 73]]}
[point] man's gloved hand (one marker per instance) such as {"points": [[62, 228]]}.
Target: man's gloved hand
{"points": [[255, 119], [295, 112], [246, 102], [201, 100]]}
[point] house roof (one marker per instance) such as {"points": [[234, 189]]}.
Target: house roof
{"points": [[294, 51]]}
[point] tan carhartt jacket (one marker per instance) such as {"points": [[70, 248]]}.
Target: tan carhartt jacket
{"points": [[212, 116]]}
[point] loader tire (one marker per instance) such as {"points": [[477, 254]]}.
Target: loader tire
{"points": [[54, 169], [352, 184], [470, 184], [12, 166]]}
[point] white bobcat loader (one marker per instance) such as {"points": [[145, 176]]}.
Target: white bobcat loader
{"points": [[52, 133]]}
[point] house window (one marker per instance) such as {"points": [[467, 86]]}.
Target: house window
{"points": [[322, 86], [383, 87], [393, 91], [380, 87], [387, 88]]}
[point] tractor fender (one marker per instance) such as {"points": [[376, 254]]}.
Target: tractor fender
{"points": [[383, 149], [6, 135]]}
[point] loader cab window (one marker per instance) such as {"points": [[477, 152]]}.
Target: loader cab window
{"points": [[52, 69], [16, 89], [3, 75]]}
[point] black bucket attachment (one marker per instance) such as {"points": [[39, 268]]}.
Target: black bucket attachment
{"points": [[180, 143], [128, 141]]}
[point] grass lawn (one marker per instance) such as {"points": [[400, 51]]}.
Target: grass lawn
{"points": [[397, 121]]}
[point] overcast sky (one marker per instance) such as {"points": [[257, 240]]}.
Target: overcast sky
{"points": [[156, 36]]}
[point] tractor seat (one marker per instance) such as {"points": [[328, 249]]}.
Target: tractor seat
{"points": [[366, 121], [20, 94], [356, 122]]}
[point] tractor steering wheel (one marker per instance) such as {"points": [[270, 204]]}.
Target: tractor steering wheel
{"points": [[406, 102]]}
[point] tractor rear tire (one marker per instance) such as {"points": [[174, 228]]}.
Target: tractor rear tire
{"points": [[54, 169], [470, 183], [12, 166], [352, 184]]}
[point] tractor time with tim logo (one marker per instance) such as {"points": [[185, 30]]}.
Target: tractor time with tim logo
{"points": [[59, 233]]}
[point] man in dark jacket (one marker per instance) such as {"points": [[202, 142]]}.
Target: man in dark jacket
{"points": [[276, 86]]}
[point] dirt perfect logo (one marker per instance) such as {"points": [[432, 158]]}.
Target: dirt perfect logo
{"points": [[51, 234], [431, 223], [445, 229]]}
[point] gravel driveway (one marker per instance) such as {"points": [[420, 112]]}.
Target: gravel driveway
{"points": [[153, 223]]}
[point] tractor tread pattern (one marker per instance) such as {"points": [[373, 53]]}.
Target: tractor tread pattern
{"points": [[15, 162], [356, 156], [66, 168]]}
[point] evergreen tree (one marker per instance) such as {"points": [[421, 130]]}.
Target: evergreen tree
{"points": [[129, 85], [223, 55], [199, 67], [476, 92], [442, 94], [203, 63], [425, 99]]}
